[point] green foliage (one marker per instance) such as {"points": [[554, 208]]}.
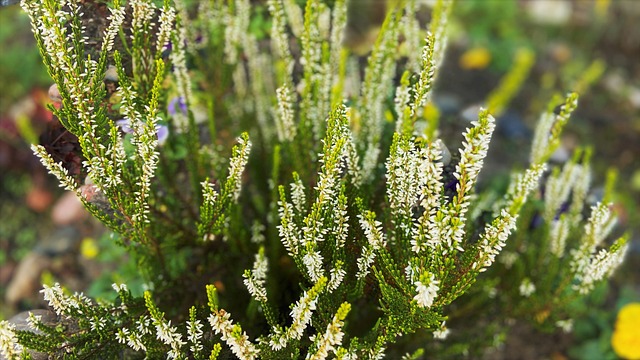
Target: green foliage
{"points": [[20, 67], [351, 239]]}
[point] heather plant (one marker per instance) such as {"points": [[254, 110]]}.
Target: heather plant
{"points": [[337, 223]]}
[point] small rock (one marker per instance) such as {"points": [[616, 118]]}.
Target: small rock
{"points": [[446, 154], [47, 317], [6, 272], [26, 279], [447, 103], [470, 113], [595, 196], [634, 97], [38, 199], [111, 74], [560, 52], [549, 12], [54, 93], [512, 126], [23, 107], [614, 82], [561, 155], [68, 209], [60, 242]]}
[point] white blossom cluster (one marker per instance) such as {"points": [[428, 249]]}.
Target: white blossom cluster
{"points": [[133, 339], [587, 263], [565, 325], [599, 266], [116, 18], [427, 290], [285, 127], [237, 340], [559, 186], [441, 333], [215, 204], [494, 239], [236, 24], [236, 166], [546, 137], [332, 337], [9, 347], [426, 230], [301, 315], [527, 288], [400, 101], [422, 89], [288, 231], [66, 181], [181, 75], [254, 279], [63, 303], [142, 13], [145, 141], [471, 161], [338, 24], [411, 33], [558, 234], [169, 335], [279, 36], [375, 241], [314, 105], [378, 78], [194, 335], [302, 240], [403, 181], [166, 19], [495, 235], [77, 77], [438, 27]]}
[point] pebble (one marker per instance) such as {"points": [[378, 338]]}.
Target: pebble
{"points": [[549, 12], [470, 113], [62, 241], [614, 82], [26, 279], [38, 199], [54, 93], [634, 97], [561, 155], [48, 317], [111, 74], [446, 154], [511, 126], [68, 209], [448, 104]]}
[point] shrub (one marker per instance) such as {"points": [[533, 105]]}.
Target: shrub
{"points": [[355, 224]]}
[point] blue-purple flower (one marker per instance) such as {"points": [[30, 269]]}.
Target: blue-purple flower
{"points": [[162, 131], [177, 104]]}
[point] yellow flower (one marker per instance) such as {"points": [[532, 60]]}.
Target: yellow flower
{"points": [[475, 59], [626, 336], [89, 248]]}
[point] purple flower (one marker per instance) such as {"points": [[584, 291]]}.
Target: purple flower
{"points": [[177, 103], [162, 132], [125, 125]]}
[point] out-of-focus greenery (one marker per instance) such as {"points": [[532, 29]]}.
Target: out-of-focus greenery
{"points": [[494, 25], [592, 332], [20, 66]]}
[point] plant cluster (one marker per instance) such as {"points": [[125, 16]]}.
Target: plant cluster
{"points": [[339, 224]]}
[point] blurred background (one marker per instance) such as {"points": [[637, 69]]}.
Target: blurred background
{"points": [[591, 46]]}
